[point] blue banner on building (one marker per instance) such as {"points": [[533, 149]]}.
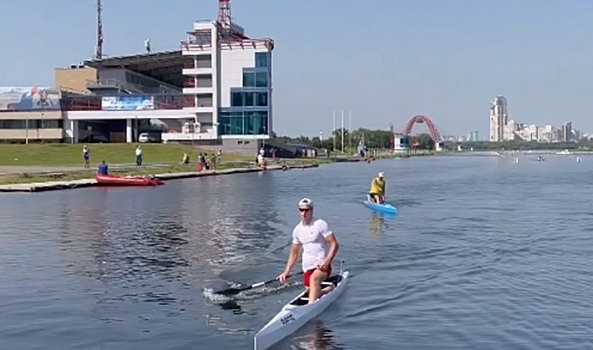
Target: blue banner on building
{"points": [[127, 102], [31, 98]]}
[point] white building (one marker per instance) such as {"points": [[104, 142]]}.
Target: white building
{"points": [[548, 133], [499, 118], [215, 91], [567, 132], [529, 133], [401, 143], [230, 81]]}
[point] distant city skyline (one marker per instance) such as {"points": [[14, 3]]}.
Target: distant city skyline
{"points": [[505, 128], [385, 66]]}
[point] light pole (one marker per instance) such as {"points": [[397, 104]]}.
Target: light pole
{"points": [[333, 133], [342, 132], [350, 129], [42, 115]]}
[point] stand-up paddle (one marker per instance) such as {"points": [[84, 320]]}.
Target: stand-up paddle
{"points": [[233, 291]]}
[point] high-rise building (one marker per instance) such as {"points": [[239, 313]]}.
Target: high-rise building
{"points": [[567, 132], [473, 136], [499, 118]]}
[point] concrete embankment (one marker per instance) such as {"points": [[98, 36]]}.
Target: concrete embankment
{"points": [[71, 184]]}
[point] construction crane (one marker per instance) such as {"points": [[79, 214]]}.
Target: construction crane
{"points": [[99, 48]]}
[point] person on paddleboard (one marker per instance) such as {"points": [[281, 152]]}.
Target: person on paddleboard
{"points": [[377, 192], [319, 249]]}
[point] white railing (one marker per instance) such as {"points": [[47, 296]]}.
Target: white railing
{"points": [[177, 136]]}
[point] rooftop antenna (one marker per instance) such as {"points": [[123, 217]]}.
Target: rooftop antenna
{"points": [[224, 13], [99, 52]]}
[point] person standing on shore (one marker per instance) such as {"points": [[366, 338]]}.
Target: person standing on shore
{"points": [[138, 156], [86, 155]]}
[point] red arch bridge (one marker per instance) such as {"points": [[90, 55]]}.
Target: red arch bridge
{"points": [[433, 131]]}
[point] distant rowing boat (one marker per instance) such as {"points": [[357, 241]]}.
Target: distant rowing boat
{"points": [[298, 312]]}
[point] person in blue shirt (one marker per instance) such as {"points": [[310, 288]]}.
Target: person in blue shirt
{"points": [[103, 169]]}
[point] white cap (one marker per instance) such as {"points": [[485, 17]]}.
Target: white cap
{"points": [[306, 201], [380, 174]]}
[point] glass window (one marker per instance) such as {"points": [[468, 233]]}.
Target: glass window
{"points": [[256, 123], [249, 79], [263, 123], [262, 59], [250, 99], [261, 79], [243, 123], [224, 124], [31, 124], [237, 123], [8, 124], [262, 99], [52, 124], [236, 99], [250, 123]]}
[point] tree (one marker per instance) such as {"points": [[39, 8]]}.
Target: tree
{"points": [[373, 138], [322, 144], [424, 141], [337, 134]]}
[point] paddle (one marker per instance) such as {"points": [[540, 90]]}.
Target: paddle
{"points": [[233, 291]]}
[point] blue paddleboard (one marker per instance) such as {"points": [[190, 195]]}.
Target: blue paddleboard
{"points": [[382, 208]]}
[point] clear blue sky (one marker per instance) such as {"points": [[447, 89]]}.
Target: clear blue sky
{"points": [[386, 61]]}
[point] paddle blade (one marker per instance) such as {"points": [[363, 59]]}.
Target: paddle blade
{"points": [[231, 291], [235, 291]]}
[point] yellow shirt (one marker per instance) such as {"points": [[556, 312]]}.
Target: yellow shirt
{"points": [[378, 186]]}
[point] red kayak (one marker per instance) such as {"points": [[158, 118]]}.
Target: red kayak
{"points": [[114, 180]]}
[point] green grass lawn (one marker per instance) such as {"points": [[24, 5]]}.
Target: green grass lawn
{"points": [[25, 178], [65, 155], [117, 153]]}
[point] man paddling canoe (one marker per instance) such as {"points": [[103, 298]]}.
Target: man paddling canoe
{"points": [[316, 239]]}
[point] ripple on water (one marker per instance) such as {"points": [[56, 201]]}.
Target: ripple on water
{"points": [[484, 253]]}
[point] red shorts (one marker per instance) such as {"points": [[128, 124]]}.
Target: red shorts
{"points": [[307, 275]]}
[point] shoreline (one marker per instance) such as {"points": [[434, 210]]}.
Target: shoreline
{"points": [[91, 182], [55, 185]]}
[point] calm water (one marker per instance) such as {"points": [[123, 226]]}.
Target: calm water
{"points": [[484, 254]]}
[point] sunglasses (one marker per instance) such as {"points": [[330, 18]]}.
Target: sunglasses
{"points": [[303, 210]]}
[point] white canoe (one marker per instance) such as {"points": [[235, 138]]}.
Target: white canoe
{"points": [[297, 313]]}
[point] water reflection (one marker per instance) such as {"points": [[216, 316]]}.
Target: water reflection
{"points": [[233, 216], [377, 225], [233, 306], [214, 222], [315, 337], [160, 247]]}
